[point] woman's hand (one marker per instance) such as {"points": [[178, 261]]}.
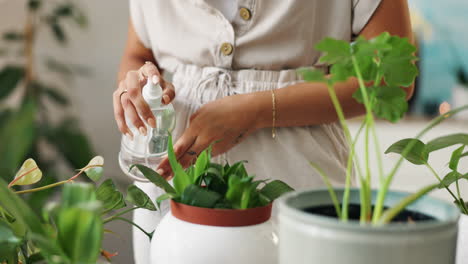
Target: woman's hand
{"points": [[129, 103], [225, 122]]}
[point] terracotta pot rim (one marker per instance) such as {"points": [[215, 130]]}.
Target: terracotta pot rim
{"points": [[221, 217]]}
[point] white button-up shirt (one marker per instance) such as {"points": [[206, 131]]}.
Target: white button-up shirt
{"points": [[269, 35]]}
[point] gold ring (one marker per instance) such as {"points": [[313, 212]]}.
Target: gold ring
{"points": [[124, 91]]}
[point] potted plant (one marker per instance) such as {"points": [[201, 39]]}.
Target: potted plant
{"points": [[69, 230], [420, 156], [219, 214], [361, 225]]}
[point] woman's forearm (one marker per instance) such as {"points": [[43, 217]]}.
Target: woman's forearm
{"points": [[305, 104]]}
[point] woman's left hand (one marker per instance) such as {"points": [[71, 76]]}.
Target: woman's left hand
{"points": [[225, 122]]}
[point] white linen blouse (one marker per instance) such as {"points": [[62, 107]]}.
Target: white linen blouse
{"points": [[264, 34]]}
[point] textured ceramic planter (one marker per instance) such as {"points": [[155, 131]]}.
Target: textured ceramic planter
{"points": [[197, 235], [462, 247], [307, 238]]}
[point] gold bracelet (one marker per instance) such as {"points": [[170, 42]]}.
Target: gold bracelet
{"points": [[273, 102]]}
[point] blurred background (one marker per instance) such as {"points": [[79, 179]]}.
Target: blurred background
{"points": [[64, 80]]}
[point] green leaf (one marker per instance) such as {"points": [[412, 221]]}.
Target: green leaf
{"points": [[8, 242], [201, 165], [387, 102], [137, 197], [64, 10], [71, 142], [79, 223], [155, 178], [34, 5], [13, 36], [398, 64], [455, 158], [110, 196], [335, 50], [95, 173], [58, 32], [215, 183], [312, 75], [239, 190], [197, 196], [56, 96], [451, 177], [164, 197], [447, 141], [181, 178], [29, 173], [25, 216], [418, 154], [275, 189], [10, 76], [17, 135]]}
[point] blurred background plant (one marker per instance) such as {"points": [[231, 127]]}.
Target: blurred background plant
{"points": [[27, 95]]}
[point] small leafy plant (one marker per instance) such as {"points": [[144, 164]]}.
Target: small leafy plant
{"points": [[67, 231], [212, 185], [383, 67]]}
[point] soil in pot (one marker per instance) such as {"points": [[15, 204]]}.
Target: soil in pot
{"points": [[355, 211]]}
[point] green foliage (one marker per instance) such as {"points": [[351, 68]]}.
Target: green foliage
{"points": [[383, 66], [417, 155], [79, 224], [109, 196], [138, 198], [212, 185], [384, 58], [10, 76], [68, 231]]}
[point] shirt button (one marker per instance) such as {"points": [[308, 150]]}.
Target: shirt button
{"points": [[245, 13], [226, 48]]}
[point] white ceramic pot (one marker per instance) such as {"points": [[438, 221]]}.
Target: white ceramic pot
{"points": [[197, 235], [462, 247], [306, 238], [460, 98]]}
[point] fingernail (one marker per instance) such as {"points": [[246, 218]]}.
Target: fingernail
{"points": [[142, 130], [129, 136], [166, 99], [160, 172], [152, 122], [155, 79]]}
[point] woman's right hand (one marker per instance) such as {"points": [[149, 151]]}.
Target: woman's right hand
{"points": [[129, 103]]}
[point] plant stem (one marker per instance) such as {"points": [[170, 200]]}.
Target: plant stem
{"points": [[149, 235], [384, 187], [366, 203], [335, 201], [58, 183], [349, 166], [440, 180], [119, 214], [342, 119], [42, 188], [394, 211]]}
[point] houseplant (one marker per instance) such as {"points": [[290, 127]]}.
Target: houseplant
{"points": [[354, 225], [31, 87], [66, 231], [218, 214], [451, 179]]}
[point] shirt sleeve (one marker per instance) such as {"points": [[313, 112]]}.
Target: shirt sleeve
{"points": [[138, 20], [362, 13]]}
